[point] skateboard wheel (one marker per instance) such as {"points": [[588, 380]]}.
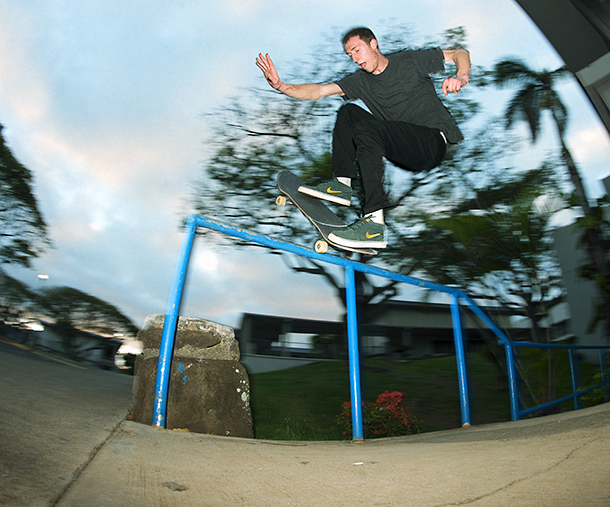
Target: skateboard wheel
{"points": [[320, 246], [280, 200]]}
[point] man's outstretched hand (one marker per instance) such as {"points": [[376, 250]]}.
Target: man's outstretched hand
{"points": [[265, 64]]}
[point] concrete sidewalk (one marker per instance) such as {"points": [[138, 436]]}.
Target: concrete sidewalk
{"points": [[72, 438]]}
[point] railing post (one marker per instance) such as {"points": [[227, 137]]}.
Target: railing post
{"points": [[171, 323], [602, 369], [460, 356], [575, 372], [354, 360], [512, 380]]}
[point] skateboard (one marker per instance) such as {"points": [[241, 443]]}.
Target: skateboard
{"points": [[316, 211]]}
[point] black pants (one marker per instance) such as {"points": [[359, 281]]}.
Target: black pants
{"points": [[360, 136]]}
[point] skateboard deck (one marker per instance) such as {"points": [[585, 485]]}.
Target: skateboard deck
{"points": [[316, 211]]}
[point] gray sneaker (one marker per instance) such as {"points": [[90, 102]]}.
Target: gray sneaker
{"points": [[363, 234], [333, 191]]}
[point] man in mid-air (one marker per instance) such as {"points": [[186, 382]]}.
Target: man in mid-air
{"points": [[407, 124]]}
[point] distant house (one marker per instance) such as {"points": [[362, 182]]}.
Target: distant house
{"points": [[398, 328], [87, 347], [582, 294]]}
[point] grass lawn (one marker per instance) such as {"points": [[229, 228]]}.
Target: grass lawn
{"points": [[303, 403]]}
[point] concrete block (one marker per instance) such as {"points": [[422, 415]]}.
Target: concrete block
{"points": [[209, 390], [196, 338]]}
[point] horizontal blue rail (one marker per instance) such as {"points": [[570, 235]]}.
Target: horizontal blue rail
{"points": [[457, 298], [577, 392]]}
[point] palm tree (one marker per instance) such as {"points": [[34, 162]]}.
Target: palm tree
{"points": [[535, 95]]}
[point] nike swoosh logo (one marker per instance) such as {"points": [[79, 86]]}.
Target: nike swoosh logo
{"points": [[371, 236], [333, 191]]}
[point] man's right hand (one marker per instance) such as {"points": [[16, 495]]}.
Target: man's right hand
{"points": [[265, 64], [301, 91]]}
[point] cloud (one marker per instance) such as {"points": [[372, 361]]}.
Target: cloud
{"points": [[105, 102], [590, 148], [591, 144]]}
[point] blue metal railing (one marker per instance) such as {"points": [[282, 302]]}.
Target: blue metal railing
{"points": [[577, 392], [457, 297]]}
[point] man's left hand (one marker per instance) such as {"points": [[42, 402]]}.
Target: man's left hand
{"points": [[452, 85]]}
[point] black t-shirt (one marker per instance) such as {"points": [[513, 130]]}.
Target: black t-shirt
{"points": [[404, 91]]}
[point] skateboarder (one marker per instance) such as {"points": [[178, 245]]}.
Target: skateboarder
{"points": [[407, 123]]}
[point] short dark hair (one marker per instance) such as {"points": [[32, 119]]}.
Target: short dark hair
{"points": [[364, 33]]}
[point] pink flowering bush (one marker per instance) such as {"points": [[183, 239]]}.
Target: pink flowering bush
{"points": [[384, 418]]}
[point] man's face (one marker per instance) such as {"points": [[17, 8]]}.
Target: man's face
{"points": [[363, 54]]}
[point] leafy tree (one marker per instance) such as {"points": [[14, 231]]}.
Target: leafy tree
{"points": [[536, 94], [75, 311], [15, 297], [23, 236], [72, 310], [253, 143], [264, 133], [504, 254], [23, 232], [498, 245], [83, 311]]}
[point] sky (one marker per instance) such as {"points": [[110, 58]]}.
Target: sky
{"points": [[106, 102]]}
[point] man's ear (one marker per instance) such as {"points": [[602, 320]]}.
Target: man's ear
{"points": [[373, 43]]}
